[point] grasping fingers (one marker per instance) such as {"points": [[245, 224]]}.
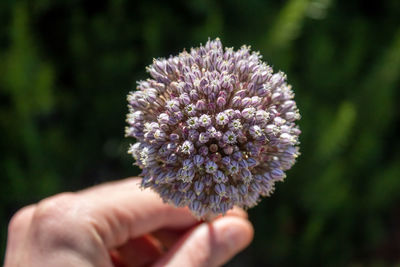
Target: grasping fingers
{"points": [[80, 229], [210, 244]]}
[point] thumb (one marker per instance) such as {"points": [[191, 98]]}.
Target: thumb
{"points": [[210, 244]]}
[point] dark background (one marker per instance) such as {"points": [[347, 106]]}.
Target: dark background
{"points": [[66, 67]]}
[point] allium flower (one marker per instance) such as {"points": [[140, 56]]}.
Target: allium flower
{"points": [[214, 128]]}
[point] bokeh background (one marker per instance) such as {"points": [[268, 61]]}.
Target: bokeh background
{"points": [[66, 67]]}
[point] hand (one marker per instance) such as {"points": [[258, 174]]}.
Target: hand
{"points": [[117, 224]]}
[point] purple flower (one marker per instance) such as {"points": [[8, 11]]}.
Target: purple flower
{"points": [[190, 109], [187, 147], [211, 167], [204, 137], [221, 118], [229, 137], [192, 122], [233, 167], [214, 128], [172, 105], [204, 120]]}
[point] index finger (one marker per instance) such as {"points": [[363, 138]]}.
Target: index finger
{"points": [[121, 210]]}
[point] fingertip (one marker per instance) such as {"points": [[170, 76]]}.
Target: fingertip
{"points": [[236, 233], [239, 212]]}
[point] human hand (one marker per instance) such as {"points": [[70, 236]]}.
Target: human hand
{"points": [[117, 224]]}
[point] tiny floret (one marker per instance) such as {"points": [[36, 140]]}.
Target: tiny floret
{"points": [[211, 167], [187, 147], [192, 122], [230, 137], [205, 120], [222, 118], [214, 128]]}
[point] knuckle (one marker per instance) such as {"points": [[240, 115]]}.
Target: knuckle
{"points": [[60, 222], [54, 214], [20, 219]]}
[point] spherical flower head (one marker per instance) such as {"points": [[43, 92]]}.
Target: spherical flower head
{"points": [[214, 128]]}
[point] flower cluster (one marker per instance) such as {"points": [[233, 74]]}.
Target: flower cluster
{"points": [[214, 128]]}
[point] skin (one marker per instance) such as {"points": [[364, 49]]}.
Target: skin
{"points": [[118, 224]]}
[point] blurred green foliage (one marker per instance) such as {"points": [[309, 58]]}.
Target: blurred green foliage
{"points": [[66, 67]]}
